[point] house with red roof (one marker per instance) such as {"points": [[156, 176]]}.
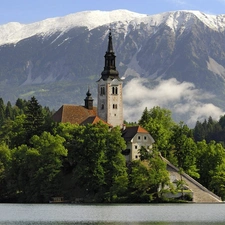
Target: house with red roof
{"points": [[136, 137]]}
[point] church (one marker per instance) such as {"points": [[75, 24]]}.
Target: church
{"points": [[109, 108]]}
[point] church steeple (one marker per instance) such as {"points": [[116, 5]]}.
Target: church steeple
{"points": [[110, 90], [110, 62], [88, 100]]}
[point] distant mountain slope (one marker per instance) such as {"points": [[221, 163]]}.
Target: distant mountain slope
{"points": [[174, 59]]}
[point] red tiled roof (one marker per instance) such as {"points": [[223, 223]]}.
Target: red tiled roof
{"points": [[73, 114], [94, 120], [129, 132], [77, 114]]}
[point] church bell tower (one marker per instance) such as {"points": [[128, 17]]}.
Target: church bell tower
{"points": [[110, 100]]}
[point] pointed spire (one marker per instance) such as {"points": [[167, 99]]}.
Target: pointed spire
{"points": [[110, 62], [110, 45], [88, 92]]}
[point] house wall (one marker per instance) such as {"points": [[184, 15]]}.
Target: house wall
{"points": [[140, 139]]}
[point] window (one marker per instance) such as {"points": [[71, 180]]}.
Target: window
{"points": [[139, 137], [102, 106], [102, 91], [114, 90], [145, 138], [135, 146], [114, 106], [136, 156]]}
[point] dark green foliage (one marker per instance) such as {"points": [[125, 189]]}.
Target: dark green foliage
{"points": [[34, 120], [147, 176], [158, 122], [2, 111], [184, 149], [210, 162], [5, 162], [34, 165], [21, 104], [210, 130], [95, 157], [9, 111], [34, 169]]}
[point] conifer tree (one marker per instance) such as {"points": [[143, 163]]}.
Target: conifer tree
{"points": [[34, 121], [2, 111], [8, 111]]}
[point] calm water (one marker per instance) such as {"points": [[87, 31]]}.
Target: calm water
{"points": [[160, 214]]}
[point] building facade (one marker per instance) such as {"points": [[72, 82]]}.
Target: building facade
{"points": [[136, 137], [110, 90]]}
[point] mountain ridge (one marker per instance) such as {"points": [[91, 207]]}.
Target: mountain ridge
{"points": [[58, 64], [93, 19]]}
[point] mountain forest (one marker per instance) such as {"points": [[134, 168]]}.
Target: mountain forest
{"points": [[40, 159]]}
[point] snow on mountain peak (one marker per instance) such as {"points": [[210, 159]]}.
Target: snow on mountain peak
{"points": [[176, 19], [14, 32]]}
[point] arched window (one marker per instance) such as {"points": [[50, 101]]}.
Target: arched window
{"points": [[114, 90], [102, 91], [114, 106]]}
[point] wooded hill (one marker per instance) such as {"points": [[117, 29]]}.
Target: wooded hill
{"points": [[40, 159]]}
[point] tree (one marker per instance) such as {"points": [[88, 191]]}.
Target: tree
{"points": [[159, 124], [217, 183], [5, 161], [184, 149], [209, 130], [9, 111], [95, 157], [147, 176], [2, 111], [13, 132], [34, 120], [116, 178], [86, 148], [210, 157], [21, 104], [34, 169]]}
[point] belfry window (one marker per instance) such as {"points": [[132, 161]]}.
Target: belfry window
{"points": [[114, 106], [114, 90]]}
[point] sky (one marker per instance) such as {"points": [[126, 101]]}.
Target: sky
{"points": [[29, 11]]}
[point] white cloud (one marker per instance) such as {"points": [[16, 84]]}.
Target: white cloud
{"points": [[183, 99]]}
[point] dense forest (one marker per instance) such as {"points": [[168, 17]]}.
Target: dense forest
{"points": [[40, 159]]}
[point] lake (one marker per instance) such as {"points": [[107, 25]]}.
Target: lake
{"points": [[112, 214]]}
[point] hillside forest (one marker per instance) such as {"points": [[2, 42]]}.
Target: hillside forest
{"points": [[40, 159]]}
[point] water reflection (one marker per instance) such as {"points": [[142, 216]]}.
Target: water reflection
{"points": [[107, 223], [168, 214]]}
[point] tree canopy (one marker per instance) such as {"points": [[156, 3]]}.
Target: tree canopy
{"points": [[40, 159]]}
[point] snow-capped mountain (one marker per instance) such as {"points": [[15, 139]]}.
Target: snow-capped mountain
{"points": [[58, 58], [15, 32]]}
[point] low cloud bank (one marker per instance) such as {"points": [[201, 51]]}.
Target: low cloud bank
{"points": [[183, 99]]}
